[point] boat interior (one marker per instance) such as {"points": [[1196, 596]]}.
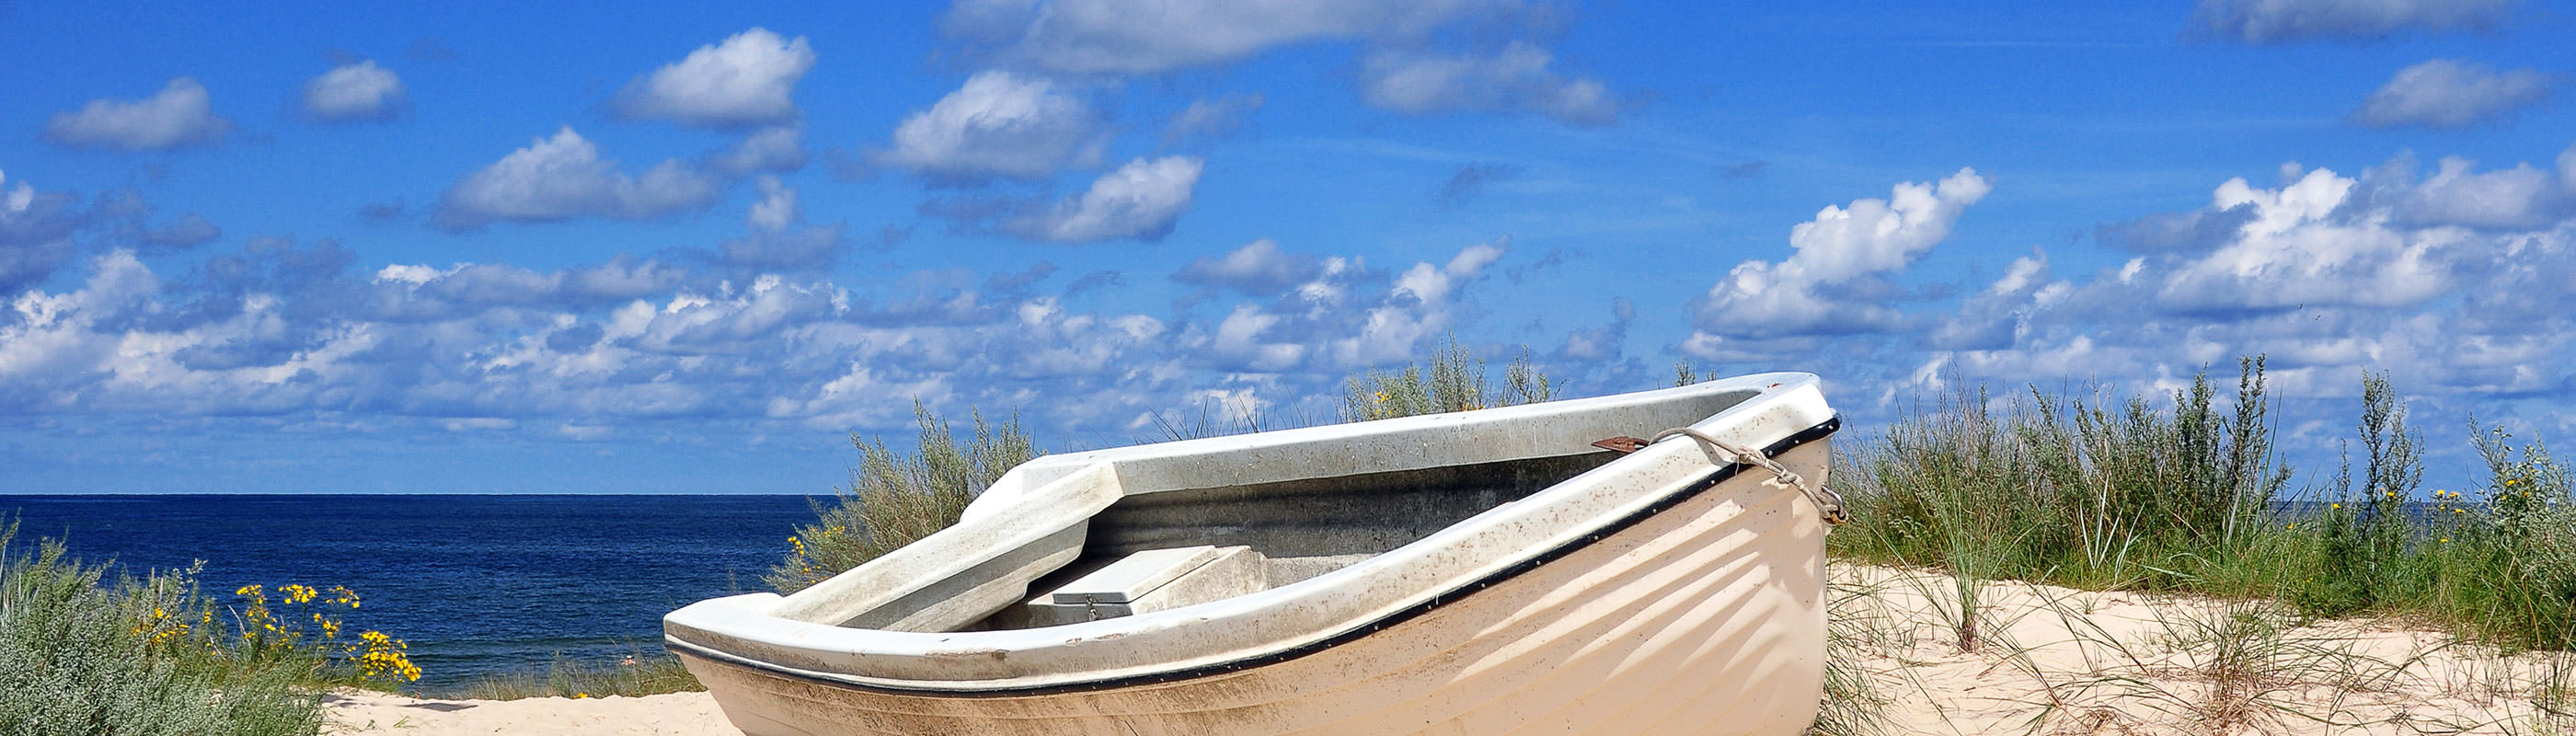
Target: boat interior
{"points": [[1154, 540], [1267, 535]]}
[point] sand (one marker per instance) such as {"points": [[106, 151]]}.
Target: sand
{"points": [[675, 714], [2059, 661], [2048, 661]]}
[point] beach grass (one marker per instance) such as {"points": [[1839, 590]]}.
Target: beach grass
{"points": [[895, 497], [1454, 379], [86, 649], [631, 676], [2186, 495]]}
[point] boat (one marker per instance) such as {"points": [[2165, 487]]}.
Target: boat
{"points": [[1642, 563]]}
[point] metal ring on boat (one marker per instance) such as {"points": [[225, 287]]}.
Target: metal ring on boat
{"points": [[1827, 500]]}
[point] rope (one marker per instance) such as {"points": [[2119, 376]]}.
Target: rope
{"points": [[1828, 501]]}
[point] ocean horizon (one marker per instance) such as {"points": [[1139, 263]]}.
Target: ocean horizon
{"points": [[478, 584]]}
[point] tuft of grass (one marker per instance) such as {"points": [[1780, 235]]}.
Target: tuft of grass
{"points": [[632, 676], [1454, 380], [1852, 705], [895, 498]]}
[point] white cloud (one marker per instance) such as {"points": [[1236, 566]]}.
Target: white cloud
{"points": [[777, 206], [563, 177], [1140, 201], [14, 201], [2455, 283], [2448, 93], [2302, 249], [360, 91], [748, 80], [178, 116], [1416, 310], [36, 231], [1149, 36], [2457, 194], [1999, 315], [774, 149], [1343, 316], [2273, 21], [1516, 78], [1760, 299], [1259, 268], [998, 125], [779, 238]]}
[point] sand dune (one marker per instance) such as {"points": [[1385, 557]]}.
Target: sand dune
{"points": [[2060, 661]]}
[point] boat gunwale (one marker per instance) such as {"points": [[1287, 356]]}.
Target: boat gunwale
{"points": [[1819, 432]]}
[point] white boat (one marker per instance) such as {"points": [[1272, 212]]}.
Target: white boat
{"points": [[1480, 572]]}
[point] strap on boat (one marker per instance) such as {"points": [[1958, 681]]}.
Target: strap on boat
{"points": [[1828, 501]]}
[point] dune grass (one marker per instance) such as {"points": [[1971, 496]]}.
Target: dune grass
{"points": [[2184, 496], [86, 649], [632, 676], [896, 497]]}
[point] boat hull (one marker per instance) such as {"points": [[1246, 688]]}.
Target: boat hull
{"points": [[1705, 616]]}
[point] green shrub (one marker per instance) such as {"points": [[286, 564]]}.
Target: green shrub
{"points": [[895, 498], [80, 654]]}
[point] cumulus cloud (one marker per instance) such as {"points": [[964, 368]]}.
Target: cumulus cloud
{"points": [[1259, 268], [1138, 201], [780, 238], [2196, 230], [1516, 78], [1145, 36], [563, 177], [35, 234], [1842, 245], [2386, 239], [360, 91], [998, 125], [748, 80], [2458, 194], [2278, 21], [2454, 281], [2449, 93], [308, 337], [1999, 315], [1343, 316], [1597, 344], [179, 116], [778, 149], [1418, 308]]}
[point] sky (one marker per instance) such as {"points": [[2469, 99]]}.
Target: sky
{"points": [[527, 248]]}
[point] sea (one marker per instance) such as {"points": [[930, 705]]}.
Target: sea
{"points": [[476, 585]]}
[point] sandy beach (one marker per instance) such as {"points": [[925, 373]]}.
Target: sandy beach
{"points": [[673, 714], [2054, 660], [2048, 660]]}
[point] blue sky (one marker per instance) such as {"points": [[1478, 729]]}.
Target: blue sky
{"points": [[524, 248]]}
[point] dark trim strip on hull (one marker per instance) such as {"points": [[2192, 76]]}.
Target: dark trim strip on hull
{"points": [[1723, 473]]}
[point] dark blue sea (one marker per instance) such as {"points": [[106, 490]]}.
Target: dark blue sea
{"points": [[478, 585]]}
